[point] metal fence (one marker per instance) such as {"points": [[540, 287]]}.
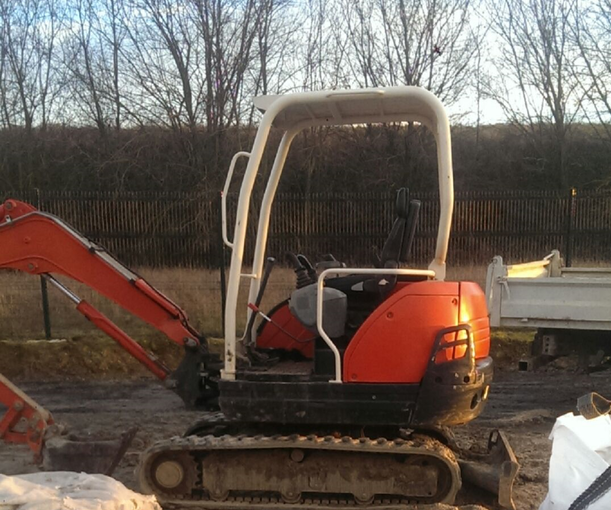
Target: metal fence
{"points": [[182, 229]]}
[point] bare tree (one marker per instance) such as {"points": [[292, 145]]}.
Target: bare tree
{"points": [[273, 64], [411, 42], [6, 98], [30, 34], [114, 35], [427, 43], [317, 70], [362, 43], [92, 59], [534, 83], [82, 58], [591, 30], [276, 41], [164, 63], [228, 31]]}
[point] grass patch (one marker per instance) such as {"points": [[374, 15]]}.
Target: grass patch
{"points": [[197, 291], [80, 359], [508, 346]]}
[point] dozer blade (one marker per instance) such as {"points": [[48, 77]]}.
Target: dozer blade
{"points": [[494, 471], [68, 453]]}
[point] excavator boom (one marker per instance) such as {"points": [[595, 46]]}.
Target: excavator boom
{"points": [[42, 244]]}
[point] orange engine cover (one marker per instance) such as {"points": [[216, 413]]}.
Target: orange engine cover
{"points": [[394, 344]]}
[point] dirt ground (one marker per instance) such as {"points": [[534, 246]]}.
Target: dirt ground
{"points": [[524, 404]]}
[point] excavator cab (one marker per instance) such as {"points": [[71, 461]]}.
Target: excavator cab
{"points": [[343, 393], [385, 345]]}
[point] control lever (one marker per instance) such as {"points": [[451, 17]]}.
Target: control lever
{"points": [[267, 269], [303, 279], [308, 267], [328, 261], [272, 321]]}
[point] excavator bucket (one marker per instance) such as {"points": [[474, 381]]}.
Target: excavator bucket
{"points": [[70, 453], [494, 471], [24, 421]]}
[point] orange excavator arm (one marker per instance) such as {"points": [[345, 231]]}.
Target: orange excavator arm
{"points": [[40, 243], [24, 421]]}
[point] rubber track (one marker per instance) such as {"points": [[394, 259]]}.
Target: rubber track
{"points": [[421, 445]]}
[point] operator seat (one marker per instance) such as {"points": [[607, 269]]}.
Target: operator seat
{"points": [[349, 300], [394, 252], [401, 235], [364, 293]]}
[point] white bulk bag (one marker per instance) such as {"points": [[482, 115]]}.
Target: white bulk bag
{"points": [[62, 490], [581, 451]]}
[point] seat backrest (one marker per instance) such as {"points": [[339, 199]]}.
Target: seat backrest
{"points": [[401, 236], [396, 248]]}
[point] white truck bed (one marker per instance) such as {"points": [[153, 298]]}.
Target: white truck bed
{"points": [[542, 294]]}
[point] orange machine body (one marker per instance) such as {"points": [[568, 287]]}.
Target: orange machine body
{"points": [[395, 342]]}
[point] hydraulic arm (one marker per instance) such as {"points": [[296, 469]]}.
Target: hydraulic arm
{"points": [[42, 244], [24, 421]]}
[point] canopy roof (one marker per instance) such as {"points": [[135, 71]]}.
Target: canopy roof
{"points": [[341, 107]]}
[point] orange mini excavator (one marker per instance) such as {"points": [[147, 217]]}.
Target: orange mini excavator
{"points": [[341, 395]]}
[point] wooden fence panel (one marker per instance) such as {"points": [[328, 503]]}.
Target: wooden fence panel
{"points": [[182, 229]]}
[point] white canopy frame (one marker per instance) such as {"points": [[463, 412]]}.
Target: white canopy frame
{"points": [[294, 112]]}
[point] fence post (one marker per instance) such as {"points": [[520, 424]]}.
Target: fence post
{"points": [[570, 222], [46, 314], [221, 261], [45, 307]]}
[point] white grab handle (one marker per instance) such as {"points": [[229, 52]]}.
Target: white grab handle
{"points": [[347, 270], [224, 193]]}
